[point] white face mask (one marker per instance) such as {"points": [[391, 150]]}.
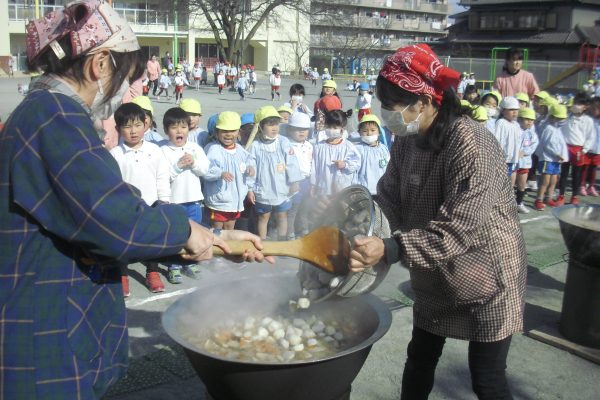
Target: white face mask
{"points": [[492, 112], [577, 109], [102, 110], [333, 133], [395, 122], [369, 139], [297, 99]]}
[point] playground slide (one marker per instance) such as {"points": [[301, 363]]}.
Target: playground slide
{"points": [[563, 75]]}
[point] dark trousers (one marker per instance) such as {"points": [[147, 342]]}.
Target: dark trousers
{"points": [[575, 178], [487, 363], [153, 86]]}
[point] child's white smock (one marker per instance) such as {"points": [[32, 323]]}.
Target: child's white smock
{"points": [[552, 145], [529, 142], [508, 134]]}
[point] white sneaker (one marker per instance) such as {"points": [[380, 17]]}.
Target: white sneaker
{"points": [[522, 208], [532, 185]]}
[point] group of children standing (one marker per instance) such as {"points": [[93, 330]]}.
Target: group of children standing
{"points": [[546, 137], [244, 165]]}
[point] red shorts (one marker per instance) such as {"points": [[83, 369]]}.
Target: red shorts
{"points": [[179, 89], [196, 78], [223, 216], [274, 88], [221, 86], [592, 159], [576, 156], [523, 171]]}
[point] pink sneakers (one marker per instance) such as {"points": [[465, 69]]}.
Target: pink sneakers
{"points": [[591, 190], [154, 282]]}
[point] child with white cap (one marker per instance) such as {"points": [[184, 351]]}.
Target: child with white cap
{"points": [[242, 85], [230, 173], [529, 142], [552, 151], [277, 172], [508, 134], [374, 155], [298, 130]]}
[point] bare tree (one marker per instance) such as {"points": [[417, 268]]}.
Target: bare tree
{"points": [[235, 22]]}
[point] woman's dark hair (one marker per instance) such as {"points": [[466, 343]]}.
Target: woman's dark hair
{"points": [[296, 89], [128, 112], [336, 118], [124, 63], [391, 95], [514, 53], [270, 121], [174, 116]]}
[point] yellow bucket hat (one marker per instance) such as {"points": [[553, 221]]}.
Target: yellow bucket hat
{"points": [[522, 97], [371, 118], [558, 111], [542, 95], [285, 109], [330, 83], [191, 106], [465, 103], [496, 94], [265, 112], [479, 114], [229, 121], [527, 113], [548, 101], [144, 102]]}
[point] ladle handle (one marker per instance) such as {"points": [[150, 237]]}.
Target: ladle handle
{"points": [[238, 247]]}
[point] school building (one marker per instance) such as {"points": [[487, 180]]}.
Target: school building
{"points": [[283, 38]]}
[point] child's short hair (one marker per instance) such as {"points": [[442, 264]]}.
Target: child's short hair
{"points": [[128, 112], [174, 116], [336, 118], [582, 98], [297, 89], [270, 121]]}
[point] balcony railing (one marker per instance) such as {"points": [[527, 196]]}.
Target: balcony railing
{"points": [[135, 16]]}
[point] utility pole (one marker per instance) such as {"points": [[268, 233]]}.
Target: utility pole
{"points": [[243, 26]]}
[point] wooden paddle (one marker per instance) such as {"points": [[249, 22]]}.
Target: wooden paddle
{"points": [[325, 247]]}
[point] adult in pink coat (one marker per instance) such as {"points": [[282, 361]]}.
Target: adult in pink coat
{"points": [[513, 78], [153, 71]]}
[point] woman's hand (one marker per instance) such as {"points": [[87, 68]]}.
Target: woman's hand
{"points": [[250, 254], [199, 244], [366, 252]]}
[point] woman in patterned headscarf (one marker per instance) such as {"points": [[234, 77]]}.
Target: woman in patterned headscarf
{"points": [[452, 210], [67, 218]]}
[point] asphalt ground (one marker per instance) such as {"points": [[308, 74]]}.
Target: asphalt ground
{"points": [[535, 370]]}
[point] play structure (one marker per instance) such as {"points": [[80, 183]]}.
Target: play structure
{"points": [[588, 60]]}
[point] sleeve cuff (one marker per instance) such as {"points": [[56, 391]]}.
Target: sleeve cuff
{"points": [[393, 251]]}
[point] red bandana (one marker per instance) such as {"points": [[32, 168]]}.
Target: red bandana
{"points": [[417, 69]]}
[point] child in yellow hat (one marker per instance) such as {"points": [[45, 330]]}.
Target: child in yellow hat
{"points": [[374, 155], [529, 143], [551, 151]]}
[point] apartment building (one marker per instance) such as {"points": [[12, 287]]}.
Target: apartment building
{"points": [[552, 30], [356, 34], [161, 27]]}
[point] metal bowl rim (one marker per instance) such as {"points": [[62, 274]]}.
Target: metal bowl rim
{"points": [[556, 212]]}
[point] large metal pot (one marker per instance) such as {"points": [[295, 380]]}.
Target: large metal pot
{"points": [[327, 378], [580, 228]]}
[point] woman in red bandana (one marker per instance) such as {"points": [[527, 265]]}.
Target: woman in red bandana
{"points": [[451, 208]]}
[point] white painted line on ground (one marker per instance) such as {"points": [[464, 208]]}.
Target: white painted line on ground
{"points": [[524, 221], [160, 297]]}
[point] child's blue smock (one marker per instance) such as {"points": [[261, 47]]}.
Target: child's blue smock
{"points": [[219, 194], [276, 168], [327, 178], [374, 161], [529, 142], [552, 145]]}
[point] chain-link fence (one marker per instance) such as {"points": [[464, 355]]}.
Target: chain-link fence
{"points": [[542, 70]]}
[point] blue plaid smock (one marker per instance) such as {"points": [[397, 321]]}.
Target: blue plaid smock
{"points": [[66, 216]]}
